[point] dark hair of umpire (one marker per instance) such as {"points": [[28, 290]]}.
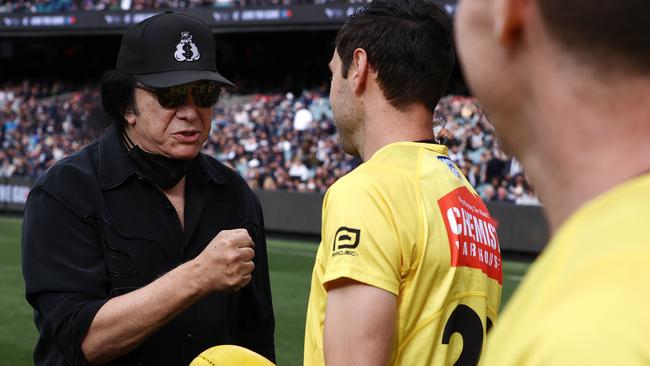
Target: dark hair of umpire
{"points": [[408, 42]]}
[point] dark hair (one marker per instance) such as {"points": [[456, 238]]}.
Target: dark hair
{"points": [[609, 33], [408, 43], [117, 94]]}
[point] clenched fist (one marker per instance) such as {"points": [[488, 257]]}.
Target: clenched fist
{"points": [[227, 262]]}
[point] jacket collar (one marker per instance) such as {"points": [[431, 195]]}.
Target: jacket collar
{"points": [[115, 167]]}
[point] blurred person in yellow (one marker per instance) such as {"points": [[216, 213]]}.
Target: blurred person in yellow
{"points": [[567, 86], [408, 271]]}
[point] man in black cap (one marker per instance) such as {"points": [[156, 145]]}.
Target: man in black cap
{"points": [[140, 250]]}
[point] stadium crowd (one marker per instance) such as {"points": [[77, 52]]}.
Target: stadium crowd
{"points": [[41, 123], [52, 6], [276, 141]]}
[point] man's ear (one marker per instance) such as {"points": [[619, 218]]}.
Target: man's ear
{"points": [[510, 18], [129, 116], [359, 70], [131, 113]]}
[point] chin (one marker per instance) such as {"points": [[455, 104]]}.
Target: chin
{"points": [[185, 154]]}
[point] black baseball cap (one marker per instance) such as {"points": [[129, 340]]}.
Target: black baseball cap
{"points": [[169, 49]]}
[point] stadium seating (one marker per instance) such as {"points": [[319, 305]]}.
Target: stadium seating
{"points": [[55, 6], [275, 141]]}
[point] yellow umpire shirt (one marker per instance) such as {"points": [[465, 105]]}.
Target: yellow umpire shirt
{"points": [[586, 301], [408, 222]]}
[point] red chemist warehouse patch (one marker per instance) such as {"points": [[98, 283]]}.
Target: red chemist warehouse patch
{"points": [[472, 233]]}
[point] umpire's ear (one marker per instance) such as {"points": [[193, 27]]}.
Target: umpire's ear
{"points": [[359, 70]]}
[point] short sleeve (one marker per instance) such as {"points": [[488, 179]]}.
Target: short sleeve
{"points": [[65, 279], [359, 237]]}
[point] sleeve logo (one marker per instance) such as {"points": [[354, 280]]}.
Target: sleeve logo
{"points": [[450, 164], [472, 233], [346, 239]]}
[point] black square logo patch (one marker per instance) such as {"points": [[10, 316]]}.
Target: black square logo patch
{"points": [[346, 238]]}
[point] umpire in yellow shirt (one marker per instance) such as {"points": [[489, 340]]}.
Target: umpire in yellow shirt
{"points": [[408, 271], [567, 86]]}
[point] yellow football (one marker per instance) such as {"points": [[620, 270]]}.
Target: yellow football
{"points": [[230, 355]]}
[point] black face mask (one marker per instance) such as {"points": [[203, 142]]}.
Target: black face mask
{"points": [[161, 170]]}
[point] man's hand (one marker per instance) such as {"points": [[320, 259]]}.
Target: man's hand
{"points": [[227, 262], [224, 265]]}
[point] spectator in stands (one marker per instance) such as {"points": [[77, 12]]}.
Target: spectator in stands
{"points": [[303, 117], [488, 194], [138, 243], [494, 166], [502, 195]]}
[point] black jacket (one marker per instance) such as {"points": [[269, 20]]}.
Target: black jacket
{"points": [[94, 229]]}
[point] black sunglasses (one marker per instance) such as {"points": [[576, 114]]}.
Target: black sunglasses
{"points": [[204, 93]]}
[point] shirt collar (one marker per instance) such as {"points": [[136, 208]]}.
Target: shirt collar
{"points": [[437, 148], [115, 167], [208, 171]]}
